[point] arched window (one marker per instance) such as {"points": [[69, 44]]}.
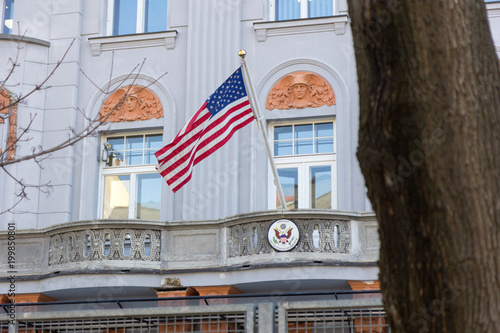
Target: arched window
{"points": [[131, 185]]}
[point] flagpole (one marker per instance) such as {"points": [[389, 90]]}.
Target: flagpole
{"points": [[260, 124]]}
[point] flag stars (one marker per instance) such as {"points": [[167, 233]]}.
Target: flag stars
{"points": [[230, 91]]}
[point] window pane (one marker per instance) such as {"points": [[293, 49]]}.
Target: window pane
{"points": [[116, 152], [154, 141], [134, 157], [117, 143], [303, 147], [290, 184], [283, 133], [134, 142], [287, 9], [303, 131], [317, 8], [282, 148], [324, 129], [8, 14], [148, 196], [324, 145], [156, 15], [125, 17], [116, 197], [149, 156], [321, 187]]}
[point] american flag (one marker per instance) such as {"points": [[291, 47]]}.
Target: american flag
{"points": [[223, 113]]}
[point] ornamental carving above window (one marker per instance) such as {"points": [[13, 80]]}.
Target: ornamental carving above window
{"points": [[8, 111], [131, 103], [300, 90]]}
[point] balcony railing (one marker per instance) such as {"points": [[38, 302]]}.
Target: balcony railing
{"points": [[334, 236]]}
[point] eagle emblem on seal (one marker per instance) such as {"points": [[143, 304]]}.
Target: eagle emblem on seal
{"points": [[284, 234]]}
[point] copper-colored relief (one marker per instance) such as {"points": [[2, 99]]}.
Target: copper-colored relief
{"points": [[11, 112], [300, 90], [131, 103]]}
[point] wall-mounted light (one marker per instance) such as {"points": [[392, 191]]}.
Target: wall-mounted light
{"points": [[106, 154]]}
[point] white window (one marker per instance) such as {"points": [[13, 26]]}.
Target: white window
{"points": [[304, 154], [296, 9], [131, 187], [136, 16], [7, 14]]}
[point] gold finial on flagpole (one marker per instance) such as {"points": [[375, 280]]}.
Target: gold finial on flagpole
{"points": [[242, 54]]}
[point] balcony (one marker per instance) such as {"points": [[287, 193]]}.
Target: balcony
{"points": [[194, 251]]}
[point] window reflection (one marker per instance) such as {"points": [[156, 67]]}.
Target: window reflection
{"points": [[125, 17], [290, 184], [318, 8], [304, 139], [116, 196], [321, 187], [8, 15], [148, 195], [132, 187], [287, 9], [156, 13], [138, 16]]}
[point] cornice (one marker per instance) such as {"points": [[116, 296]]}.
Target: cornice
{"points": [[302, 26], [113, 43]]}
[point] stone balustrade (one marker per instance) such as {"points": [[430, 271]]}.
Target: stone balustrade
{"points": [[105, 244], [317, 236], [232, 243]]}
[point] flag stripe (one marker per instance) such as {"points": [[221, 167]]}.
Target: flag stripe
{"points": [[203, 115], [179, 155], [216, 142], [202, 142], [223, 113], [177, 184]]}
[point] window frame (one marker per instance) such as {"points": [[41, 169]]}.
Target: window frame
{"points": [[140, 18], [303, 10], [132, 170], [303, 163]]}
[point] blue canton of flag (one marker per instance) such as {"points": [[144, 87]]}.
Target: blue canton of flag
{"points": [[231, 90]]}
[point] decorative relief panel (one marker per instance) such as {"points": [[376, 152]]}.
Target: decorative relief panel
{"points": [[10, 113], [300, 90], [131, 103], [320, 236], [104, 244]]}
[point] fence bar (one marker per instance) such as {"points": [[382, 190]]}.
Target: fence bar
{"points": [[266, 318]]}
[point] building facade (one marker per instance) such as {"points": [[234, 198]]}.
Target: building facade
{"points": [[99, 222]]}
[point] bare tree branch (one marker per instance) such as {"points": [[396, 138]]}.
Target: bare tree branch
{"points": [[93, 124]]}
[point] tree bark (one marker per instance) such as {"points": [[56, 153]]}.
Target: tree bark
{"points": [[429, 149]]}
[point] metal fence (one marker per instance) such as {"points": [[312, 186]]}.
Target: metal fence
{"points": [[360, 316], [342, 316]]}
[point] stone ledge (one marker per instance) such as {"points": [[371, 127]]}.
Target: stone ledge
{"points": [[302, 26], [173, 271], [113, 43], [24, 39], [228, 221]]}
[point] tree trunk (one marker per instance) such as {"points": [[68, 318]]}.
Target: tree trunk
{"points": [[429, 149]]}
